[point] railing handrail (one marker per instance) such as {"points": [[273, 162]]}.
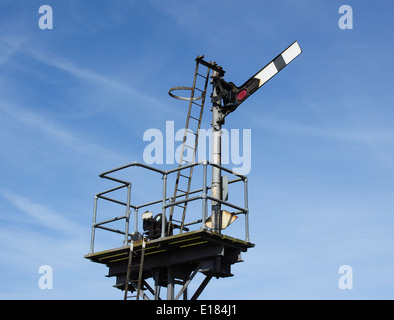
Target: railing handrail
{"points": [[167, 202], [132, 164], [143, 165]]}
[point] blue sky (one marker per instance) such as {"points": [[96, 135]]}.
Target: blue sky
{"points": [[76, 100]]}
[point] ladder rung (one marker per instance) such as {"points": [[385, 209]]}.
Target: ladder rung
{"points": [[198, 89], [184, 176], [201, 75], [191, 131], [134, 252], [194, 118], [178, 205], [181, 190], [200, 105], [140, 271], [190, 147]]}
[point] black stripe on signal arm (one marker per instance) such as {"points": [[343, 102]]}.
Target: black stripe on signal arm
{"points": [[279, 62]]}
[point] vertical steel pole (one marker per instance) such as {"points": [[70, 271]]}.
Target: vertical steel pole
{"points": [[156, 276], [93, 225], [163, 217], [217, 119], [170, 284], [247, 239], [126, 234], [135, 219], [204, 196]]}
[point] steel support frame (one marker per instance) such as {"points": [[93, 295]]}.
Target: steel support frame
{"points": [[171, 281]]}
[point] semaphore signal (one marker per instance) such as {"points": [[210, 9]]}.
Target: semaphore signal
{"points": [[176, 240]]}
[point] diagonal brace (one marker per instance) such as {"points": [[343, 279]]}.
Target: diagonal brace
{"points": [[185, 285]]}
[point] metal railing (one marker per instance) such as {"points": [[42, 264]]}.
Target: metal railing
{"points": [[166, 202]]}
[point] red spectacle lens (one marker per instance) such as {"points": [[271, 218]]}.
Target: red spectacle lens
{"points": [[242, 94]]}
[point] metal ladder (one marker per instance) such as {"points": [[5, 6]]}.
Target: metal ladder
{"points": [[133, 282], [192, 126]]}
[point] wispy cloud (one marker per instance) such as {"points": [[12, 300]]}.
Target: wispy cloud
{"points": [[96, 78], [350, 134], [9, 45], [376, 142], [13, 44], [54, 131], [42, 214], [43, 236]]}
